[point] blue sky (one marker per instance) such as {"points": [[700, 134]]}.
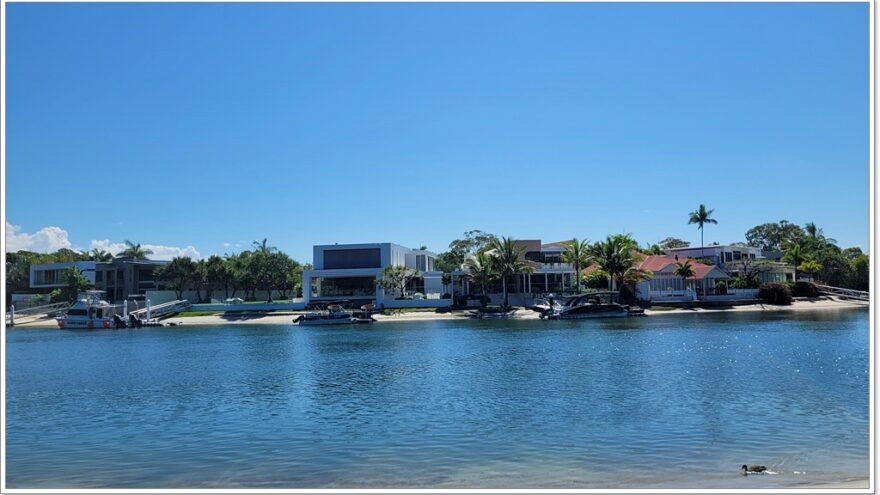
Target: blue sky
{"points": [[210, 125]]}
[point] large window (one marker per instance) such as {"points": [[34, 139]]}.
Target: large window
{"points": [[336, 259], [344, 287]]}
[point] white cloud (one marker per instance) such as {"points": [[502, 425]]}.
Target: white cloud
{"points": [[45, 240], [159, 252]]}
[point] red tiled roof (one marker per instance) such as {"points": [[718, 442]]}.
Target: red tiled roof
{"points": [[655, 263]]}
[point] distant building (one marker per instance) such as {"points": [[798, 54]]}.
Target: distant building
{"points": [[119, 278], [352, 272]]}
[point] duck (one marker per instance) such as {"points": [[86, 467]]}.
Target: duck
{"points": [[753, 469]]}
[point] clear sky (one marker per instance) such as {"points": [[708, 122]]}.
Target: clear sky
{"points": [[201, 127]]}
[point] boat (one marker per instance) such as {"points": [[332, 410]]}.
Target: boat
{"points": [[584, 306], [334, 314], [90, 311]]}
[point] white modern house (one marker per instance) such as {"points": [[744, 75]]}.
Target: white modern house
{"points": [[351, 272]]}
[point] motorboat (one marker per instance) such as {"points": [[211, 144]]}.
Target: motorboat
{"points": [[592, 305], [90, 311], [334, 314]]}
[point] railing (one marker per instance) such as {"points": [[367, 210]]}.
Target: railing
{"points": [[36, 311], [160, 309], [858, 295]]}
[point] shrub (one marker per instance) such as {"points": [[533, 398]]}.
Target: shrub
{"points": [[721, 287], [805, 289], [775, 293], [627, 294]]}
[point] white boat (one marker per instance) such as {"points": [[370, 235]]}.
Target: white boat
{"points": [[90, 311], [594, 305], [335, 314]]}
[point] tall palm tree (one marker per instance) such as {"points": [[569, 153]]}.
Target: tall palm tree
{"points": [[795, 257], [816, 233], [684, 270], [507, 256], [614, 256], [135, 251], [701, 217], [577, 254], [100, 255], [481, 269]]}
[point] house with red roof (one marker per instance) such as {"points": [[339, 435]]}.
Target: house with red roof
{"points": [[665, 285]]}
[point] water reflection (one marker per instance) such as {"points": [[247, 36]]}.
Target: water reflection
{"points": [[443, 404]]}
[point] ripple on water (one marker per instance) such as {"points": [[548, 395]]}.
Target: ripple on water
{"points": [[443, 404]]}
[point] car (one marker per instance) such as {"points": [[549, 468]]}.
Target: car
{"points": [[234, 300]]}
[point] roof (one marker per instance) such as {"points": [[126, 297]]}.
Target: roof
{"points": [[656, 263]]}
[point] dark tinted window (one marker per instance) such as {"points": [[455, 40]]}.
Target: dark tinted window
{"points": [[77, 312], [335, 259]]}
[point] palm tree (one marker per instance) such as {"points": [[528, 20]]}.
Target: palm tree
{"points": [[100, 255], [577, 254], [481, 269], [135, 251], [614, 256], [684, 270], [701, 217], [795, 257], [507, 256], [816, 233], [263, 247]]}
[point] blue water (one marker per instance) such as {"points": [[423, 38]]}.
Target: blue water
{"points": [[662, 401]]}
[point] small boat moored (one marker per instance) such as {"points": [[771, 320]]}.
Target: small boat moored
{"points": [[335, 314], [90, 311], [584, 306]]}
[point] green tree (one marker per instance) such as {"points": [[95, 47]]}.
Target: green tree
{"points": [[135, 251], [74, 283], [860, 279], [577, 254], [684, 269], [653, 250], [100, 255], [795, 257], [395, 278], [481, 270], [615, 255], [215, 275], [178, 274], [508, 258], [702, 217], [775, 236], [672, 243], [810, 267]]}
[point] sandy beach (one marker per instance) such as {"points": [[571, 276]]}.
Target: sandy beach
{"points": [[286, 317]]}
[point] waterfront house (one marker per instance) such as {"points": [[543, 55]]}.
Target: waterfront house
{"points": [[665, 285], [120, 278], [351, 272], [551, 274], [735, 259]]}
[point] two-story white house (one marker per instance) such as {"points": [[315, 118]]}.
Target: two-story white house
{"points": [[352, 272]]}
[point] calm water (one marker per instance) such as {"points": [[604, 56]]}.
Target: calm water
{"points": [[666, 401]]}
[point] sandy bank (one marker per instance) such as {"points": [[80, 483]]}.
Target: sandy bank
{"points": [[286, 317]]}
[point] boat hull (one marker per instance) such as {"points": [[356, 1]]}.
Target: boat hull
{"points": [[86, 324]]}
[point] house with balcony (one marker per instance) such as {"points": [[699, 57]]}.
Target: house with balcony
{"points": [[119, 278], [737, 259], [551, 274], [352, 272]]}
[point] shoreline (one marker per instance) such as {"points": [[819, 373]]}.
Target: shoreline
{"points": [[286, 317]]}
